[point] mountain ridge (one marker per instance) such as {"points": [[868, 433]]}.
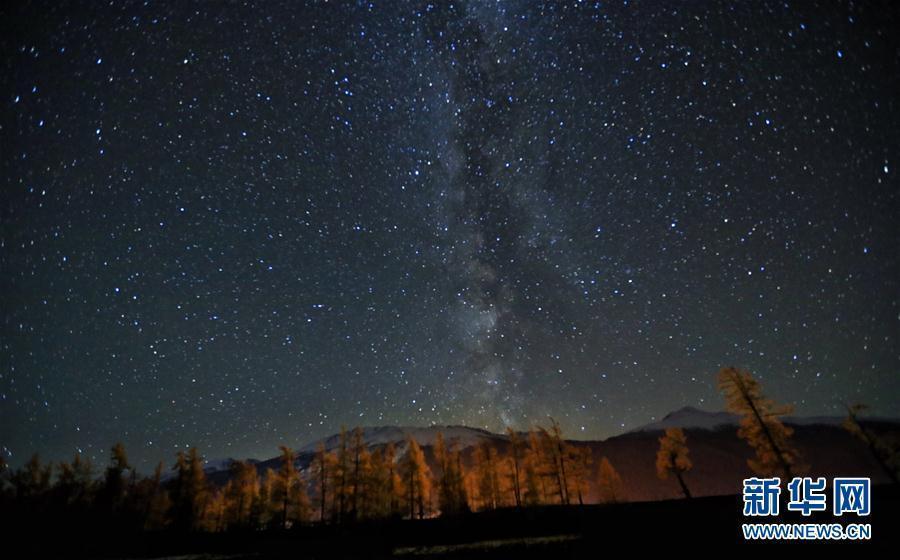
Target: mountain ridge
{"points": [[719, 456], [687, 417]]}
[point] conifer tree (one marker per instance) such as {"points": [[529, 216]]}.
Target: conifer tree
{"points": [[534, 471], [579, 460], [451, 490], [760, 424], [198, 490], [302, 505], [190, 491], [287, 486], [554, 453], [609, 483], [215, 517], [516, 456], [4, 474], [261, 504], [180, 512], [74, 484], [395, 481], [323, 468], [241, 492], [532, 484], [361, 467], [158, 502], [672, 457], [113, 491], [342, 475], [417, 479], [377, 499], [31, 484], [885, 452], [487, 471]]}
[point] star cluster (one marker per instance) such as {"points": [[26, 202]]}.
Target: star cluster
{"points": [[236, 225]]}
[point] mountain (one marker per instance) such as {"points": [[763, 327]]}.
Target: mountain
{"points": [[382, 435], [690, 417], [719, 457], [216, 465], [375, 437]]}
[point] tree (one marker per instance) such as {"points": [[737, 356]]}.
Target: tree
{"points": [[342, 472], [362, 465], [241, 491], [376, 484], [74, 484], [216, 512], [180, 513], [198, 492], [534, 471], [516, 456], [459, 483], [302, 505], [609, 483], [158, 502], [451, 490], [672, 457], [286, 484], [32, 482], [417, 478], [886, 455], [4, 475], [554, 453], [324, 465], [112, 493], [487, 473], [579, 460], [760, 424], [395, 489], [267, 506], [190, 491]]}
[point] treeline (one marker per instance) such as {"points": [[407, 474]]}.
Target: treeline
{"points": [[351, 482], [354, 482]]}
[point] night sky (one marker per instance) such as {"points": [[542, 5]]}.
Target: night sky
{"points": [[239, 225]]}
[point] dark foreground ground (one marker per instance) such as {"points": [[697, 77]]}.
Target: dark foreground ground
{"points": [[549, 532]]}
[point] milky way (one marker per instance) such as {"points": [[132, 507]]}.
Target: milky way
{"points": [[240, 225]]}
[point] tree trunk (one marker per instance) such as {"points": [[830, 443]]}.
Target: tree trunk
{"points": [[516, 489], [324, 487], [684, 488], [870, 442], [775, 449]]}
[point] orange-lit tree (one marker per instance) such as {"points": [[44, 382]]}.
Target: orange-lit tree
{"points": [[885, 452], [609, 483], [516, 459], [672, 457], [417, 479], [761, 424], [451, 490]]}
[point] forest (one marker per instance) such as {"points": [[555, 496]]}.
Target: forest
{"points": [[354, 483]]}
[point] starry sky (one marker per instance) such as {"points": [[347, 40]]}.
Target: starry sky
{"points": [[236, 225]]}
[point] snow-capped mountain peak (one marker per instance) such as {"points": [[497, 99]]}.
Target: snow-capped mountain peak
{"points": [[690, 417], [382, 435]]}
